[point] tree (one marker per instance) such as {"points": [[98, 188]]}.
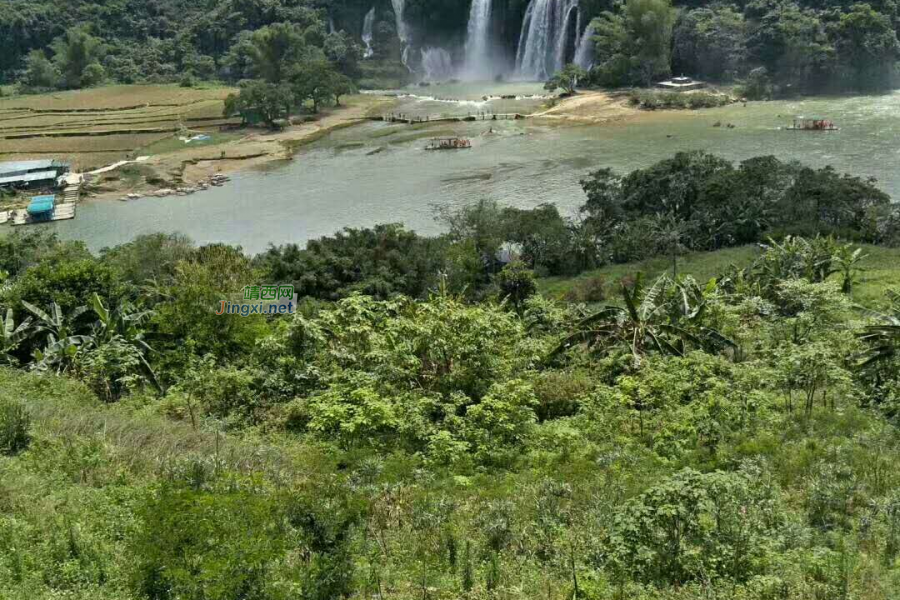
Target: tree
{"points": [[546, 241], [78, 55], [566, 79], [632, 44], [612, 46], [341, 85], [40, 73], [318, 82], [867, 47], [343, 51], [791, 43], [516, 283], [384, 261], [710, 43], [275, 51], [650, 25], [758, 85], [670, 232], [267, 102]]}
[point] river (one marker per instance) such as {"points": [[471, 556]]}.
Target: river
{"points": [[378, 172]]}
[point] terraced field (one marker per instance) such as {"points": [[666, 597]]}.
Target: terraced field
{"points": [[91, 128]]}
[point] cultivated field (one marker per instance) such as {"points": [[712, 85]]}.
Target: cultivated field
{"points": [[92, 128]]}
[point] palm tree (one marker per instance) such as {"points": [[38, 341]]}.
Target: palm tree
{"points": [[11, 335], [666, 318]]}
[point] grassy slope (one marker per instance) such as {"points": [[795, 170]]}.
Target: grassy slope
{"points": [[880, 271]]}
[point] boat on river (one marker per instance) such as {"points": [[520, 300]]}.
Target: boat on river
{"points": [[453, 143], [802, 124]]}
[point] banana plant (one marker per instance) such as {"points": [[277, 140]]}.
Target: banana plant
{"points": [[124, 325], [847, 261], [11, 335], [882, 339], [61, 341], [652, 320]]}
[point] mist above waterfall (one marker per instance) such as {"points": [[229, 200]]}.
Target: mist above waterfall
{"points": [[437, 64]]}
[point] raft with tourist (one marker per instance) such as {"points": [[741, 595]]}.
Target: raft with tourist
{"points": [[802, 124], [453, 143]]}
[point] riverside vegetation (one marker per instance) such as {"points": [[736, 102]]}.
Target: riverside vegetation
{"points": [[429, 426]]}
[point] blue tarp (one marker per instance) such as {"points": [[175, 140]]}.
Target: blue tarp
{"points": [[41, 204]]}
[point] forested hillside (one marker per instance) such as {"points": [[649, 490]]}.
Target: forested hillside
{"points": [[782, 46]]}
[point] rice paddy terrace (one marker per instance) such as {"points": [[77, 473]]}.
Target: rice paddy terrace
{"points": [[92, 128]]}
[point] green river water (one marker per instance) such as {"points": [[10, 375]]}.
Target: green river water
{"points": [[339, 182]]}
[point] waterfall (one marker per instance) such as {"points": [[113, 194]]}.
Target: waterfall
{"points": [[478, 41], [544, 41], [402, 29], [367, 34], [437, 64], [584, 56]]}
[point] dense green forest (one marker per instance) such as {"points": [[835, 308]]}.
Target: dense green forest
{"points": [[430, 426], [770, 46]]}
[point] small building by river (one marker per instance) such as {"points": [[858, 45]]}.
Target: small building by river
{"points": [[32, 174]]}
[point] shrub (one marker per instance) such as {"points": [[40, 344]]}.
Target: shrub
{"points": [[14, 425], [589, 290], [558, 393], [201, 545], [696, 527], [656, 100], [516, 283]]}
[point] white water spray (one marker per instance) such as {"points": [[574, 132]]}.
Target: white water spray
{"points": [[545, 37], [367, 33], [478, 41], [437, 64]]}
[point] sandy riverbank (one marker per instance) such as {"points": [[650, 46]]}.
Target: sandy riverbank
{"points": [[591, 107]]}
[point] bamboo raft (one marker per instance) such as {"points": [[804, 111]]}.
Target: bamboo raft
{"points": [[454, 143], [801, 124], [61, 212]]}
